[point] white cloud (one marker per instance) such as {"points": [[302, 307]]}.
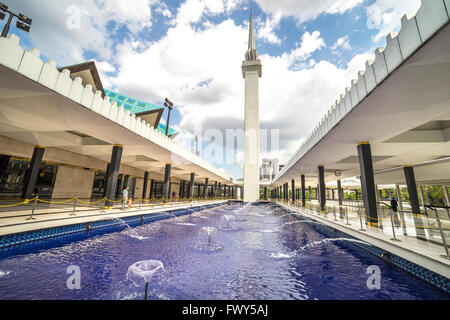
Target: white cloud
{"points": [[164, 10], [341, 43], [385, 15], [305, 10], [105, 70], [200, 69], [82, 25], [310, 43], [265, 30], [192, 11]]}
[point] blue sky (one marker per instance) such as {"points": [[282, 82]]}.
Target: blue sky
{"points": [[191, 51]]}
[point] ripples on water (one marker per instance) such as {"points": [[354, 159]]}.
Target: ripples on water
{"points": [[272, 255]]}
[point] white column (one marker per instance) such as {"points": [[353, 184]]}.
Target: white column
{"points": [[399, 197], [422, 199], [251, 152]]}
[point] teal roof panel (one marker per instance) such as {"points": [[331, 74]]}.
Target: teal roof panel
{"points": [[137, 106], [129, 103]]}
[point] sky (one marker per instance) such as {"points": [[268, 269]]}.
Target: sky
{"points": [[191, 52]]}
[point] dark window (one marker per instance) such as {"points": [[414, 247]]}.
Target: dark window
{"points": [[99, 186], [157, 190], [12, 180]]}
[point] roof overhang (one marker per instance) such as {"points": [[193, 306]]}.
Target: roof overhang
{"points": [[37, 115], [404, 119], [88, 72]]}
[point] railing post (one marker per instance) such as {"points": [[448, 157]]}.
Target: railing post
{"points": [[34, 207], [393, 228], [360, 221], [405, 232], [346, 215], [444, 242], [74, 207]]}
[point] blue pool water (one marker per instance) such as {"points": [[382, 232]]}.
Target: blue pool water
{"points": [[271, 255]]}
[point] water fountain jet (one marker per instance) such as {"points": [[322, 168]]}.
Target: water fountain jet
{"points": [[209, 247], [227, 227], [144, 270]]}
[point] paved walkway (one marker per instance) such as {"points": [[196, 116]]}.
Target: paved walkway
{"points": [[18, 221], [424, 253]]}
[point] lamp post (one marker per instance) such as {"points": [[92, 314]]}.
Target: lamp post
{"points": [[169, 105], [23, 23]]}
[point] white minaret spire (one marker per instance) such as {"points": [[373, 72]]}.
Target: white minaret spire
{"points": [[251, 71], [251, 54]]}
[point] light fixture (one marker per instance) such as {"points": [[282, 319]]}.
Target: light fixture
{"points": [[23, 23], [23, 26], [25, 19], [169, 105]]}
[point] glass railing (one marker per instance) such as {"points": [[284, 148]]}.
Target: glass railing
{"points": [[433, 226]]}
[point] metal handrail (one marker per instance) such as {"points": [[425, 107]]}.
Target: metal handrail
{"points": [[434, 208]]}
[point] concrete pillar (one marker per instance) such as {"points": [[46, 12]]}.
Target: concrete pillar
{"points": [[180, 190], [399, 196], [113, 174], [205, 191], [340, 193], [287, 191], [152, 184], [191, 186], [145, 186], [447, 198], [265, 193], [303, 190], [199, 186], [414, 200], [166, 184], [322, 195], [368, 183], [125, 181], [310, 193], [33, 172], [293, 191]]}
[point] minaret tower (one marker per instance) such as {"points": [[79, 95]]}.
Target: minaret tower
{"points": [[251, 71]]}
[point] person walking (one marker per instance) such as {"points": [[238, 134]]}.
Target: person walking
{"points": [[394, 205], [125, 197]]}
